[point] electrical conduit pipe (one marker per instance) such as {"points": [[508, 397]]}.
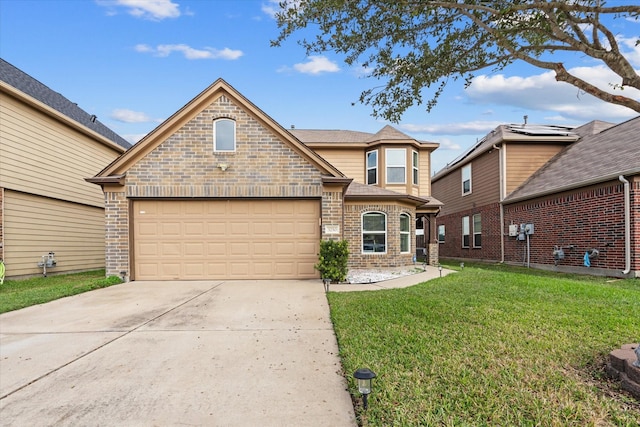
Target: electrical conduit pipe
{"points": [[627, 225]]}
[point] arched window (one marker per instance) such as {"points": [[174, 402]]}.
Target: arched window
{"points": [[405, 233], [374, 232], [224, 135]]}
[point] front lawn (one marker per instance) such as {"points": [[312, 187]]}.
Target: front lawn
{"points": [[16, 294], [491, 345]]}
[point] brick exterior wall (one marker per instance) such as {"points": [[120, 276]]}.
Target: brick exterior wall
{"points": [[491, 234], [116, 233], [185, 165], [353, 233], [577, 221], [332, 213]]}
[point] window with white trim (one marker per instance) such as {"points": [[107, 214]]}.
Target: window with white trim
{"points": [[374, 232], [477, 231], [405, 233], [441, 231], [415, 168], [465, 231], [396, 159], [224, 135], [372, 167], [466, 179]]}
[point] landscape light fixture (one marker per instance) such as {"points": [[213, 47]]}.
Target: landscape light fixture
{"points": [[364, 377], [440, 270], [462, 265]]}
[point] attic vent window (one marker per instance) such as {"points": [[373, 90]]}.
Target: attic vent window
{"points": [[224, 135]]}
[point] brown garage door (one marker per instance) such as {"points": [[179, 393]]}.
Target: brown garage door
{"points": [[232, 239]]}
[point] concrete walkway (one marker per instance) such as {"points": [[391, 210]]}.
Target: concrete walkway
{"points": [[235, 353]]}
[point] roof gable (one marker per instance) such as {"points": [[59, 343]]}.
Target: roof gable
{"points": [[509, 133], [42, 93], [216, 90], [592, 159]]}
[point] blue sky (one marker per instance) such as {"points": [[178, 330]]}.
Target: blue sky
{"points": [[133, 63]]}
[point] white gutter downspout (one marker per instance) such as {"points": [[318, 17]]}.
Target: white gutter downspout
{"points": [[627, 225], [502, 196]]}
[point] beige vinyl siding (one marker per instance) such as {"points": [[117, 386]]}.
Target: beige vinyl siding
{"points": [[524, 159], [425, 174], [40, 155], [350, 162], [485, 185], [35, 225]]}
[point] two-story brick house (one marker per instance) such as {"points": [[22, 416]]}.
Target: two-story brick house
{"points": [[484, 193], [222, 191], [473, 186]]}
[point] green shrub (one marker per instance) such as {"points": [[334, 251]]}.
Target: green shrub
{"points": [[333, 260]]}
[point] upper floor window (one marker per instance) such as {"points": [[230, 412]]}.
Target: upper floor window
{"points": [[466, 179], [396, 165], [224, 135], [405, 233], [372, 167], [441, 231], [477, 231], [465, 231], [415, 168], [374, 232]]}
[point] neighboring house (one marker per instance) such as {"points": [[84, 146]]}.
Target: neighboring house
{"points": [[485, 193], [472, 186], [222, 191], [48, 145], [584, 205]]}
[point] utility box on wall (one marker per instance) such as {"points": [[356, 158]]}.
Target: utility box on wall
{"points": [[513, 230]]}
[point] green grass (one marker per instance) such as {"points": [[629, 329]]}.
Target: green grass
{"points": [[16, 294], [491, 345]]}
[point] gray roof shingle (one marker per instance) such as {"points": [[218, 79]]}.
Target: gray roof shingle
{"points": [[594, 158], [32, 87]]}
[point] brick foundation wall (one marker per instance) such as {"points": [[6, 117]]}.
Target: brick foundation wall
{"points": [[353, 233], [491, 234], [588, 218]]}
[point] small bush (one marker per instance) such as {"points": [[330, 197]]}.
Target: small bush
{"points": [[333, 260]]}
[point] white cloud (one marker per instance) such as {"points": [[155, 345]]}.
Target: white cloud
{"points": [[164, 50], [541, 92], [633, 54], [465, 128], [155, 10], [316, 64], [447, 144], [129, 116], [134, 137]]}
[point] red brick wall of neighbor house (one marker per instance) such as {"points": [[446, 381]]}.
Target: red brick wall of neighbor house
{"points": [[588, 218], [635, 224], [452, 246]]}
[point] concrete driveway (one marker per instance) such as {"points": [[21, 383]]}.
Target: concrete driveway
{"points": [[233, 353]]}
